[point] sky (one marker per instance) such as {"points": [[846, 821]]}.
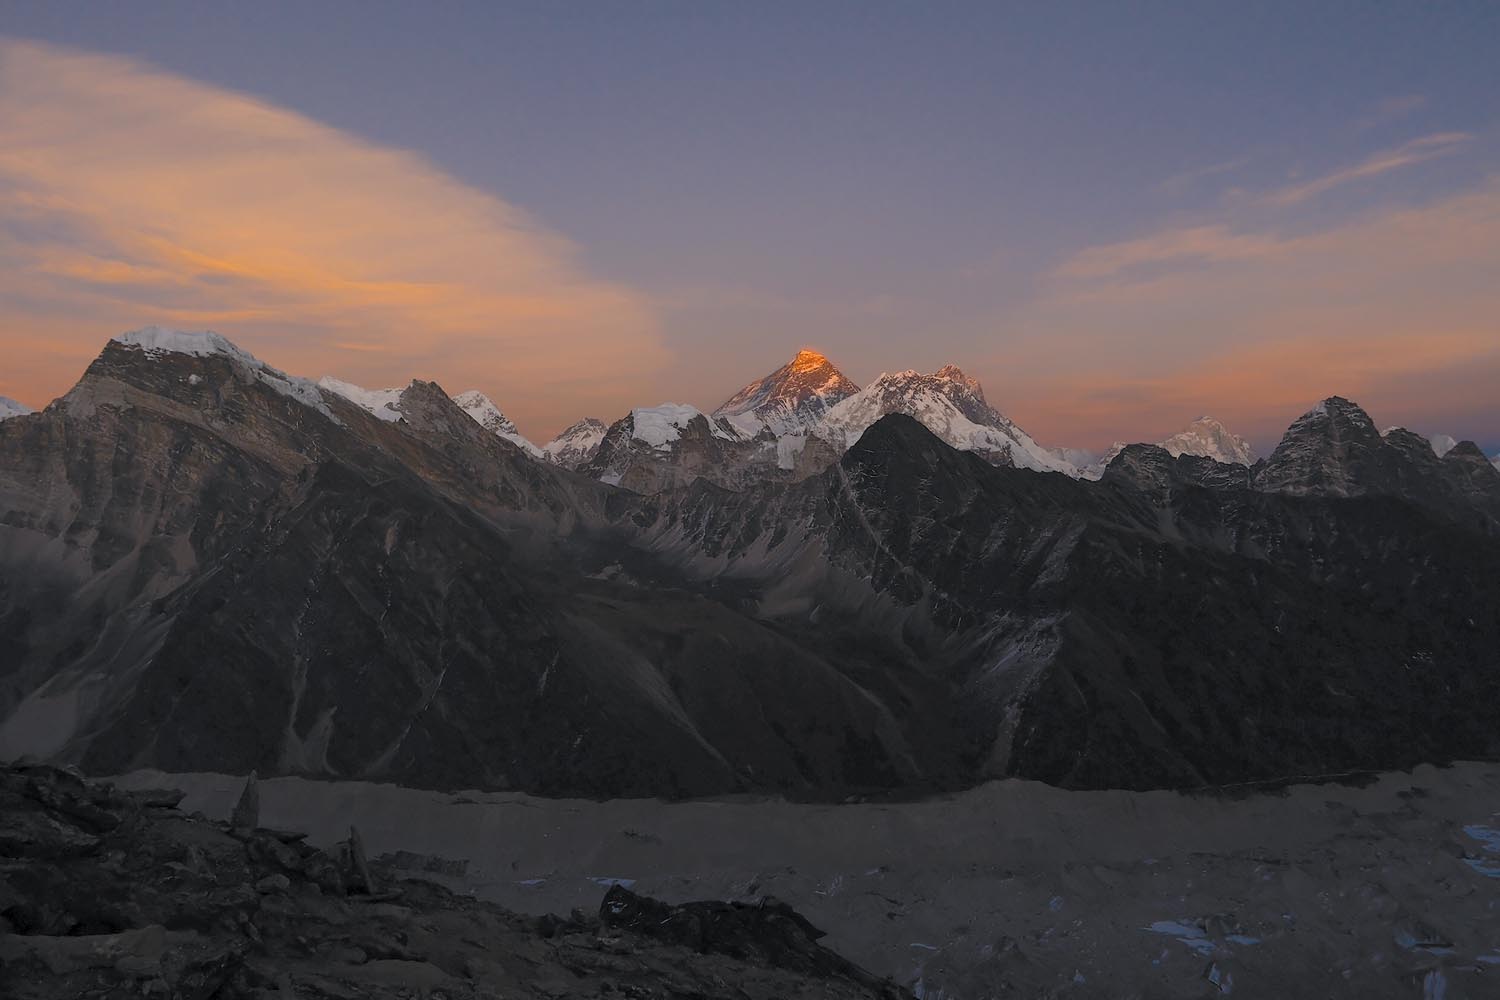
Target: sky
{"points": [[1118, 216]]}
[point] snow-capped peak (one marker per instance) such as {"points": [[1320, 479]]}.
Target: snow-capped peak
{"points": [[487, 415], [197, 343], [659, 426], [159, 341], [1442, 443], [1208, 438], [576, 445], [952, 406], [383, 403], [790, 399], [12, 408]]}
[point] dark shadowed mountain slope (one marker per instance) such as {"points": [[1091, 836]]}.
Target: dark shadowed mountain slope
{"points": [[209, 565], [1179, 630], [201, 569]]}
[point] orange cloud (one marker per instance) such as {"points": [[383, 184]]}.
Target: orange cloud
{"points": [[131, 196], [1399, 309]]}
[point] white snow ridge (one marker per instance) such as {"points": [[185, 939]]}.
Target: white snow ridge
{"points": [[384, 403], [659, 426], [487, 415], [159, 341]]}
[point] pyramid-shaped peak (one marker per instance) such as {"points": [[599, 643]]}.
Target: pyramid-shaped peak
{"points": [[1338, 406], [791, 398], [1466, 451]]}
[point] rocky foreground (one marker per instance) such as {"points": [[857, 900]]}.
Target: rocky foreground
{"points": [[111, 893]]}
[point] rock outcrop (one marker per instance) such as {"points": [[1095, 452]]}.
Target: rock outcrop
{"points": [[108, 894]]}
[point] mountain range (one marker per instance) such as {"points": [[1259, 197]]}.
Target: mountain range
{"points": [[209, 564]]}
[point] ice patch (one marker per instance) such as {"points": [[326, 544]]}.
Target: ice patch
{"points": [[1188, 934], [1489, 840], [609, 882]]}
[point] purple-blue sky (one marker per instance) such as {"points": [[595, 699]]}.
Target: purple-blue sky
{"points": [[1116, 215]]}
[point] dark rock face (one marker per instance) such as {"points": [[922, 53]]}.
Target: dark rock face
{"points": [[767, 933], [201, 571], [104, 894], [1334, 450], [708, 448]]}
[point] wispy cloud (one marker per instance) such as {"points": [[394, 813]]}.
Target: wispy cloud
{"points": [[1195, 244], [1428, 147], [129, 195], [1182, 182], [1390, 109]]}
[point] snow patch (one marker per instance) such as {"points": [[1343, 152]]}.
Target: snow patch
{"points": [[951, 406], [487, 415], [197, 343], [383, 403], [659, 426], [12, 408]]}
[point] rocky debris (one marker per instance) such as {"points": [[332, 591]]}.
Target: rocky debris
{"points": [[768, 932], [410, 861], [105, 893]]}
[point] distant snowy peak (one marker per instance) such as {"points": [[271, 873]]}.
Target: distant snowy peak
{"points": [[1207, 438], [487, 415], [659, 426], [576, 445], [157, 342], [790, 399], [952, 406], [11, 408], [1442, 443], [383, 403]]}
